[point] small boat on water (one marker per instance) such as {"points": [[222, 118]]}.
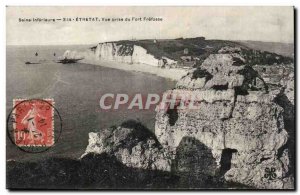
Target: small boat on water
{"points": [[69, 61], [36, 62], [69, 57], [31, 62]]}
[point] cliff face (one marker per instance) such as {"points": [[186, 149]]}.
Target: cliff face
{"points": [[124, 53], [127, 54], [239, 121]]}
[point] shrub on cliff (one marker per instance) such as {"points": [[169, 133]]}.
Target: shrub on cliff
{"points": [[200, 73]]}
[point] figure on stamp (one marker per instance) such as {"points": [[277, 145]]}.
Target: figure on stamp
{"points": [[30, 120]]}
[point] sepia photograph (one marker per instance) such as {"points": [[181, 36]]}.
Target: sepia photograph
{"points": [[150, 98]]}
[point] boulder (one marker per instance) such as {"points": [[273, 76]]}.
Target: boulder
{"points": [[132, 144]]}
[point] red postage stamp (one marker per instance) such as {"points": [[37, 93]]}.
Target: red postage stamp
{"points": [[34, 124]]}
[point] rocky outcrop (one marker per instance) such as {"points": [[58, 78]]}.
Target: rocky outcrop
{"points": [[132, 144], [222, 122], [281, 77], [237, 121], [275, 75], [222, 70], [289, 86]]}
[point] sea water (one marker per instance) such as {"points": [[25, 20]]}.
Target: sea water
{"points": [[76, 90]]}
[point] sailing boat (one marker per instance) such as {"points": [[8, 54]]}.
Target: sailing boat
{"points": [[69, 57]]}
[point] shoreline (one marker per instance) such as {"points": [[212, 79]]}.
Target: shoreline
{"points": [[174, 74]]}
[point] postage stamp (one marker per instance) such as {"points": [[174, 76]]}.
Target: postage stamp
{"points": [[33, 122]]}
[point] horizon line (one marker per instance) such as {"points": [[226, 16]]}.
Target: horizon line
{"points": [[144, 39]]}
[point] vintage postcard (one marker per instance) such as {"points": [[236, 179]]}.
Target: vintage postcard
{"points": [[150, 98]]}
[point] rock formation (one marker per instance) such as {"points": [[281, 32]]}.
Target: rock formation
{"points": [[238, 129], [132, 144], [238, 120]]}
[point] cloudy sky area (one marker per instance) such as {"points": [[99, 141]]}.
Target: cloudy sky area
{"points": [[272, 24]]}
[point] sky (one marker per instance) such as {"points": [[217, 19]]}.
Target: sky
{"points": [[271, 24]]}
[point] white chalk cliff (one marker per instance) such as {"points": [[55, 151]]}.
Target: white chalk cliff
{"points": [[127, 53]]}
